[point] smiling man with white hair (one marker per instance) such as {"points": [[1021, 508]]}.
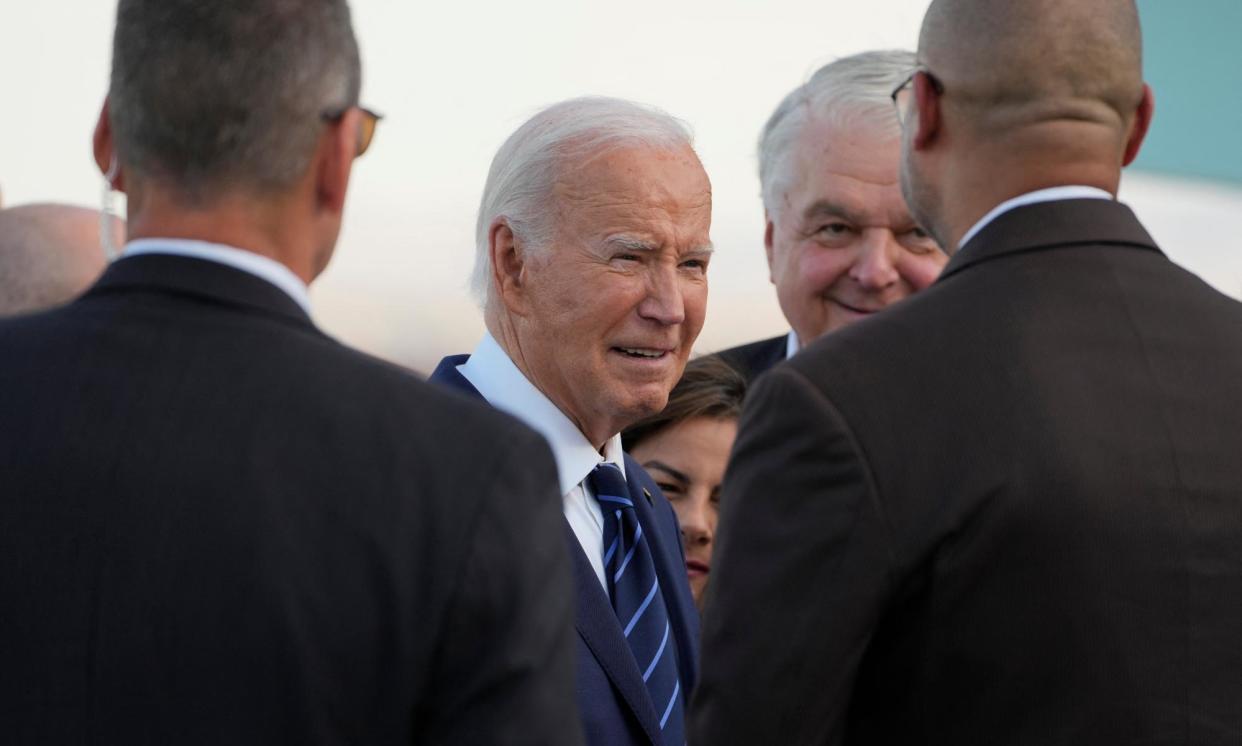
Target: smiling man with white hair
{"points": [[592, 271], [840, 242]]}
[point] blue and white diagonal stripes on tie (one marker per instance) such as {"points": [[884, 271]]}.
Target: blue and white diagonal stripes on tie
{"points": [[636, 598]]}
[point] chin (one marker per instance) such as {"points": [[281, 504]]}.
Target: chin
{"points": [[640, 407], [698, 589]]}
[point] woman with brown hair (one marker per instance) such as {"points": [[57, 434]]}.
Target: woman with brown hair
{"points": [[685, 449]]}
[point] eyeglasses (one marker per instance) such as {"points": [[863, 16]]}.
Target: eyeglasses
{"points": [[366, 131], [901, 95]]}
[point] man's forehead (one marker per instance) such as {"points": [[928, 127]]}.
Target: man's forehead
{"points": [[844, 196], [638, 173], [846, 171], [857, 149]]}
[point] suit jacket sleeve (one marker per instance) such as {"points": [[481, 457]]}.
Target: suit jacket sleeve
{"points": [[801, 572], [505, 667]]}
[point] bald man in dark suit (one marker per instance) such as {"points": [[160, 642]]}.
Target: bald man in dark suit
{"points": [[1009, 510]]}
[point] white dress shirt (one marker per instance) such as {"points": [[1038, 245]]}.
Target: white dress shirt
{"points": [[262, 267], [493, 373], [792, 345], [1051, 194]]}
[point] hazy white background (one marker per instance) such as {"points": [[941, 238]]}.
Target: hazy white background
{"points": [[453, 79]]}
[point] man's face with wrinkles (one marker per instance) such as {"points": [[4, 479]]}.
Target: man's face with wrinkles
{"points": [[842, 244]]}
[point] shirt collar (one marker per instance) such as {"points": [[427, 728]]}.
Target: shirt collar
{"points": [[792, 345], [1051, 194], [494, 375], [247, 261]]}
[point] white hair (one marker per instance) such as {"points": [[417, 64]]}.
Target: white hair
{"points": [[528, 164], [852, 91]]}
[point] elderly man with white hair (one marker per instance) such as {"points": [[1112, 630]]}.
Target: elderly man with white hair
{"points": [[841, 243], [592, 270]]}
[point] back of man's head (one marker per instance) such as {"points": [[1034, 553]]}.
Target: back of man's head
{"points": [[1015, 63], [1014, 96], [49, 254], [214, 96]]}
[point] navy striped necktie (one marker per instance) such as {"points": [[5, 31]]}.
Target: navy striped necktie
{"points": [[636, 598]]}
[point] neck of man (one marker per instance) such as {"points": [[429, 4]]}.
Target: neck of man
{"points": [[503, 329], [269, 226], [1051, 155]]}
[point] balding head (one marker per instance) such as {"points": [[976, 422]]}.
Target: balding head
{"points": [[1022, 61], [49, 254], [1016, 96]]}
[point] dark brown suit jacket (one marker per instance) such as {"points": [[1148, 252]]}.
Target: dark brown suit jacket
{"points": [[1007, 511]]}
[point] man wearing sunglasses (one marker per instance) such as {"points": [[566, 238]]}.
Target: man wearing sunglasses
{"points": [[1017, 497], [218, 525]]}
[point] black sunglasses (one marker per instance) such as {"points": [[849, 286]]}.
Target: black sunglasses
{"points": [[366, 132]]}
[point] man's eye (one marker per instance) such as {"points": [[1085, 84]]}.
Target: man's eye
{"points": [[695, 264], [919, 241], [834, 230], [627, 257]]}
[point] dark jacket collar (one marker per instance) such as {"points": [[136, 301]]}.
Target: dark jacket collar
{"points": [[1047, 225], [201, 279]]}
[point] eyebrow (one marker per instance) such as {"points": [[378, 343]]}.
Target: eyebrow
{"points": [[824, 207], [633, 243], [653, 464]]}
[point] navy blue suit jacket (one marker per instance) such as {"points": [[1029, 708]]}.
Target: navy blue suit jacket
{"points": [[612, 698], [756, 358]]}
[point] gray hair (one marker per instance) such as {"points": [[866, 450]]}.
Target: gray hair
{"points": [[528, 164], [852, 91], [206, 95]]}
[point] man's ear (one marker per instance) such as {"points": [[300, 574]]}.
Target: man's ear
{"points": [[334, 160], [105, 150], [1138, 128], [510, 264], [769, 230], [927, 105]]}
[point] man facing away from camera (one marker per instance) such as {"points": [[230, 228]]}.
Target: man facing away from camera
{"points": [[219, 525], [841, 243], [1008, 511], [593, 248]]}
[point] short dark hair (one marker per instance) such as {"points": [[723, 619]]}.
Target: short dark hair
{"points": [[709, 387], [211, 94]]}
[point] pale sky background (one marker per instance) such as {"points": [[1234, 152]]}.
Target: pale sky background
{"points": [[454, 79]]}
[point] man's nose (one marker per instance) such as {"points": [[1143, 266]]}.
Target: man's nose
{"points": [[875, 268], [664, 302]]}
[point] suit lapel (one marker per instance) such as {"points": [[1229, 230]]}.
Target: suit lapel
{"points": [[670, 565], [594, 617], [598, 627]]}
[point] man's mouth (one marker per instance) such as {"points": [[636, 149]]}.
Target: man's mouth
{"points": [[642, 353], [694, 567], [857, 309]]}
